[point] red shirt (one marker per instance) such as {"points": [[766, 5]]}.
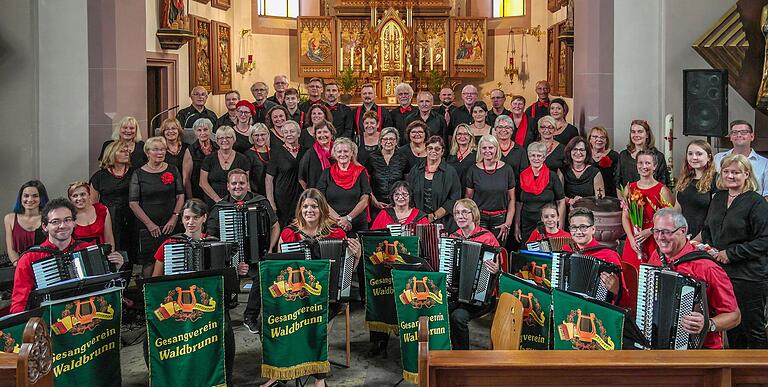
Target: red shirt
{"points": [[485, 237], [95, 230], [607, 255], [24, 278], [383, 219], [291, 235], [720, 294], [535, 235], [160, 253]]}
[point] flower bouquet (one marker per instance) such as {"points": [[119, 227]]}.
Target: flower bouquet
{"points": [[633, 202]]}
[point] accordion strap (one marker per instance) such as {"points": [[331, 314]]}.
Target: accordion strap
{"points": [[591, 248], [692, 256], [42, 249]]}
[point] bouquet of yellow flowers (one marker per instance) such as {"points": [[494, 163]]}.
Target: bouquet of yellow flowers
{"points": [[633, 202]]}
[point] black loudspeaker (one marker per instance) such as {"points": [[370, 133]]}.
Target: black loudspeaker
{"points": [[705, 103]]}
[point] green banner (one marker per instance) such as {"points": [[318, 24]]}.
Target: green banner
{"points": [[586, 324], [532, 265], [536, 302], [85, 336], [294, 329], [420, 293], [185, 331], [12, 328], [379, 254]]}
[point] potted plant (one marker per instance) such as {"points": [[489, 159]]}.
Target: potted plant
{"points": [[347, 83]]}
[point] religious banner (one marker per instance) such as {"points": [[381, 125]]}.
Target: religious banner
{"points": [[532, 265], [536, 302], [586, 324], [468, 47], [317, 46], [85, 338], [294, 329], [12, 328], [185, 330], [379, 254], [420, 293]]}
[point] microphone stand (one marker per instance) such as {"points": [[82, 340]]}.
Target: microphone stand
{"points": [[151, 127]]}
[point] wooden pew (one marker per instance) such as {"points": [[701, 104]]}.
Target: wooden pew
{"points": [[588, 368], [31, 367]]}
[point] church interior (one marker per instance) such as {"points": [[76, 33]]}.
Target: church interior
{"points": [[72, 69]]}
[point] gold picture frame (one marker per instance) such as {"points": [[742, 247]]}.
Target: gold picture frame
{"points": [[317, 46], [468, 47], [222, 57], [200, 66]]}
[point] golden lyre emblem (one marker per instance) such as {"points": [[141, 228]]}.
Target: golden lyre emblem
{"points": [[85, 311], [186, 299], [585, 327], [296, 279]]}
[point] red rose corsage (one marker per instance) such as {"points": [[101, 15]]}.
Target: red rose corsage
{"points": [[605, 162], [167, 178]]}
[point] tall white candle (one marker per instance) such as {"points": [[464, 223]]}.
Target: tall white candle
{"points": [[362, 61], [421, 57], [669, 129], [431, 59], [341, 57], [444, 59], [352, 58]]}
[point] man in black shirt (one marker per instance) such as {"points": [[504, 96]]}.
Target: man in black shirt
{"points": [[292, 103], [399, 114], [315, 91], [280, 84], [367, 95], [446, 104], [260, 91], [463, 113], [497, 106], [342, 114], [197, 109], [230, 117], [435, 122], [239, 194], [540, 108]]}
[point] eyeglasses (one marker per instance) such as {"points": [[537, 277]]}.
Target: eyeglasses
{"points": [[744, 132], [225, 137], [468, 93], [434, 149], [243, 112], [580, 227], [503, 127], [462, 213], [596, 137], [580, 150], [59, 222], [546, 128], [199, 94], [401, 194], [461, 134], [497, 97], [664, 233], [387, 139], [260, 90]]}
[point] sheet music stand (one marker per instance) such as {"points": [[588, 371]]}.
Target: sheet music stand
{"points": [[68, 289]]}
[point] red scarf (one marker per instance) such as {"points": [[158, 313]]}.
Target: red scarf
{"points": [[323, 154], [534, 185], [522, 130], [346, 179]]}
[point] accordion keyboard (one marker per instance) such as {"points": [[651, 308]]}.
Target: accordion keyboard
{"points": [[447, 258], [175, 258]]}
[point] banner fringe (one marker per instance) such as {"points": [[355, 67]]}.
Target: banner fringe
{"points": [[379, 326], [297, 371], [411, 377]]}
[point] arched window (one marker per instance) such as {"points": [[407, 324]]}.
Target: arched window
{"points": [[507, 8], [279, 8]]}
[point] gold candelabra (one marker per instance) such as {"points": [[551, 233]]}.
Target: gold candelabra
{"points": [[245, 65]]}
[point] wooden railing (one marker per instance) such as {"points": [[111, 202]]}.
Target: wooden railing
{"points": [[31, 366]]}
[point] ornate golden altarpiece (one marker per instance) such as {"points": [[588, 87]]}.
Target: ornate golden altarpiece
{"points": [[387, 42]]}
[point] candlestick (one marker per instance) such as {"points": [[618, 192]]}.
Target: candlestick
{"points": [[669, 121], [370, 69], [362, 61], [431, 59], [443, 55], [421, 57], [341, 57], [250, 58]]}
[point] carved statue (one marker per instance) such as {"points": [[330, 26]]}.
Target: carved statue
{"points": [[762, 93], [173, 14]]}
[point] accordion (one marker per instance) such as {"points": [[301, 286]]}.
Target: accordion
{"points": [[88, 262], [663, 298], [191, 256], [580, 273], [467, 279], [549, 244], [429, 236], [342, 266], [248, 226]]}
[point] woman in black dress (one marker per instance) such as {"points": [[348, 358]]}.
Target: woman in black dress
{"points": [[640, 137], [369, 141], [170, 130], [555, 151], [318, 156], [490, 183], [346, 187], [479, 127], [385, 167], [511, 153], [276, 117], [524, 126], [155, 197], [737, 226], [194, 156], [318, 115], [538, 185], [214, 170], [463, 152], [580, 179], [696, 185], [604, 158], [415, 150], [258, 155], [282, 180], [564, 131], [110, 186], [245, 111], [435, 184], [128, 133]]}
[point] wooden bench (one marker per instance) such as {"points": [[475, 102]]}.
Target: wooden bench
{"points": [[588, 368], [32, 365]]}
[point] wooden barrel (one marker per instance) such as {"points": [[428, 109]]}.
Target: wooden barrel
{"points": [[607, 211]]}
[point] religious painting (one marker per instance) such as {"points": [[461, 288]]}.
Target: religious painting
{"points": [[552, 56], [221, 4], [431, 44], [200, 64], [468, 47], [392, 44], [559, 63], [222, 57], [317, 54], [356, 48]]}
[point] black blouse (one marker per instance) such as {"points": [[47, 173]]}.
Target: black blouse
{"points": [[156, 193], [742, 231], [217, 176], [462, 166], [567, 134], [607, 167], [113, 191], [310, 168], [284, 168], [176, 159], [626, 170], [517, 158], [241, 142], [259, 161], [411, 158], [695, 205], [138, 157], [343, 201], [530, 214], [383, 175], [583, 185], [446, 188], [491, 188], [197, 155]]}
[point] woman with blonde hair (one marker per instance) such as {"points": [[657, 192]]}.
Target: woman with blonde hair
{"points": [[463, 152], [92, 220], [170, 130], [259, 156], [128, 133], [737, 226], [696, 184], [603, 157], [110, 186]]}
